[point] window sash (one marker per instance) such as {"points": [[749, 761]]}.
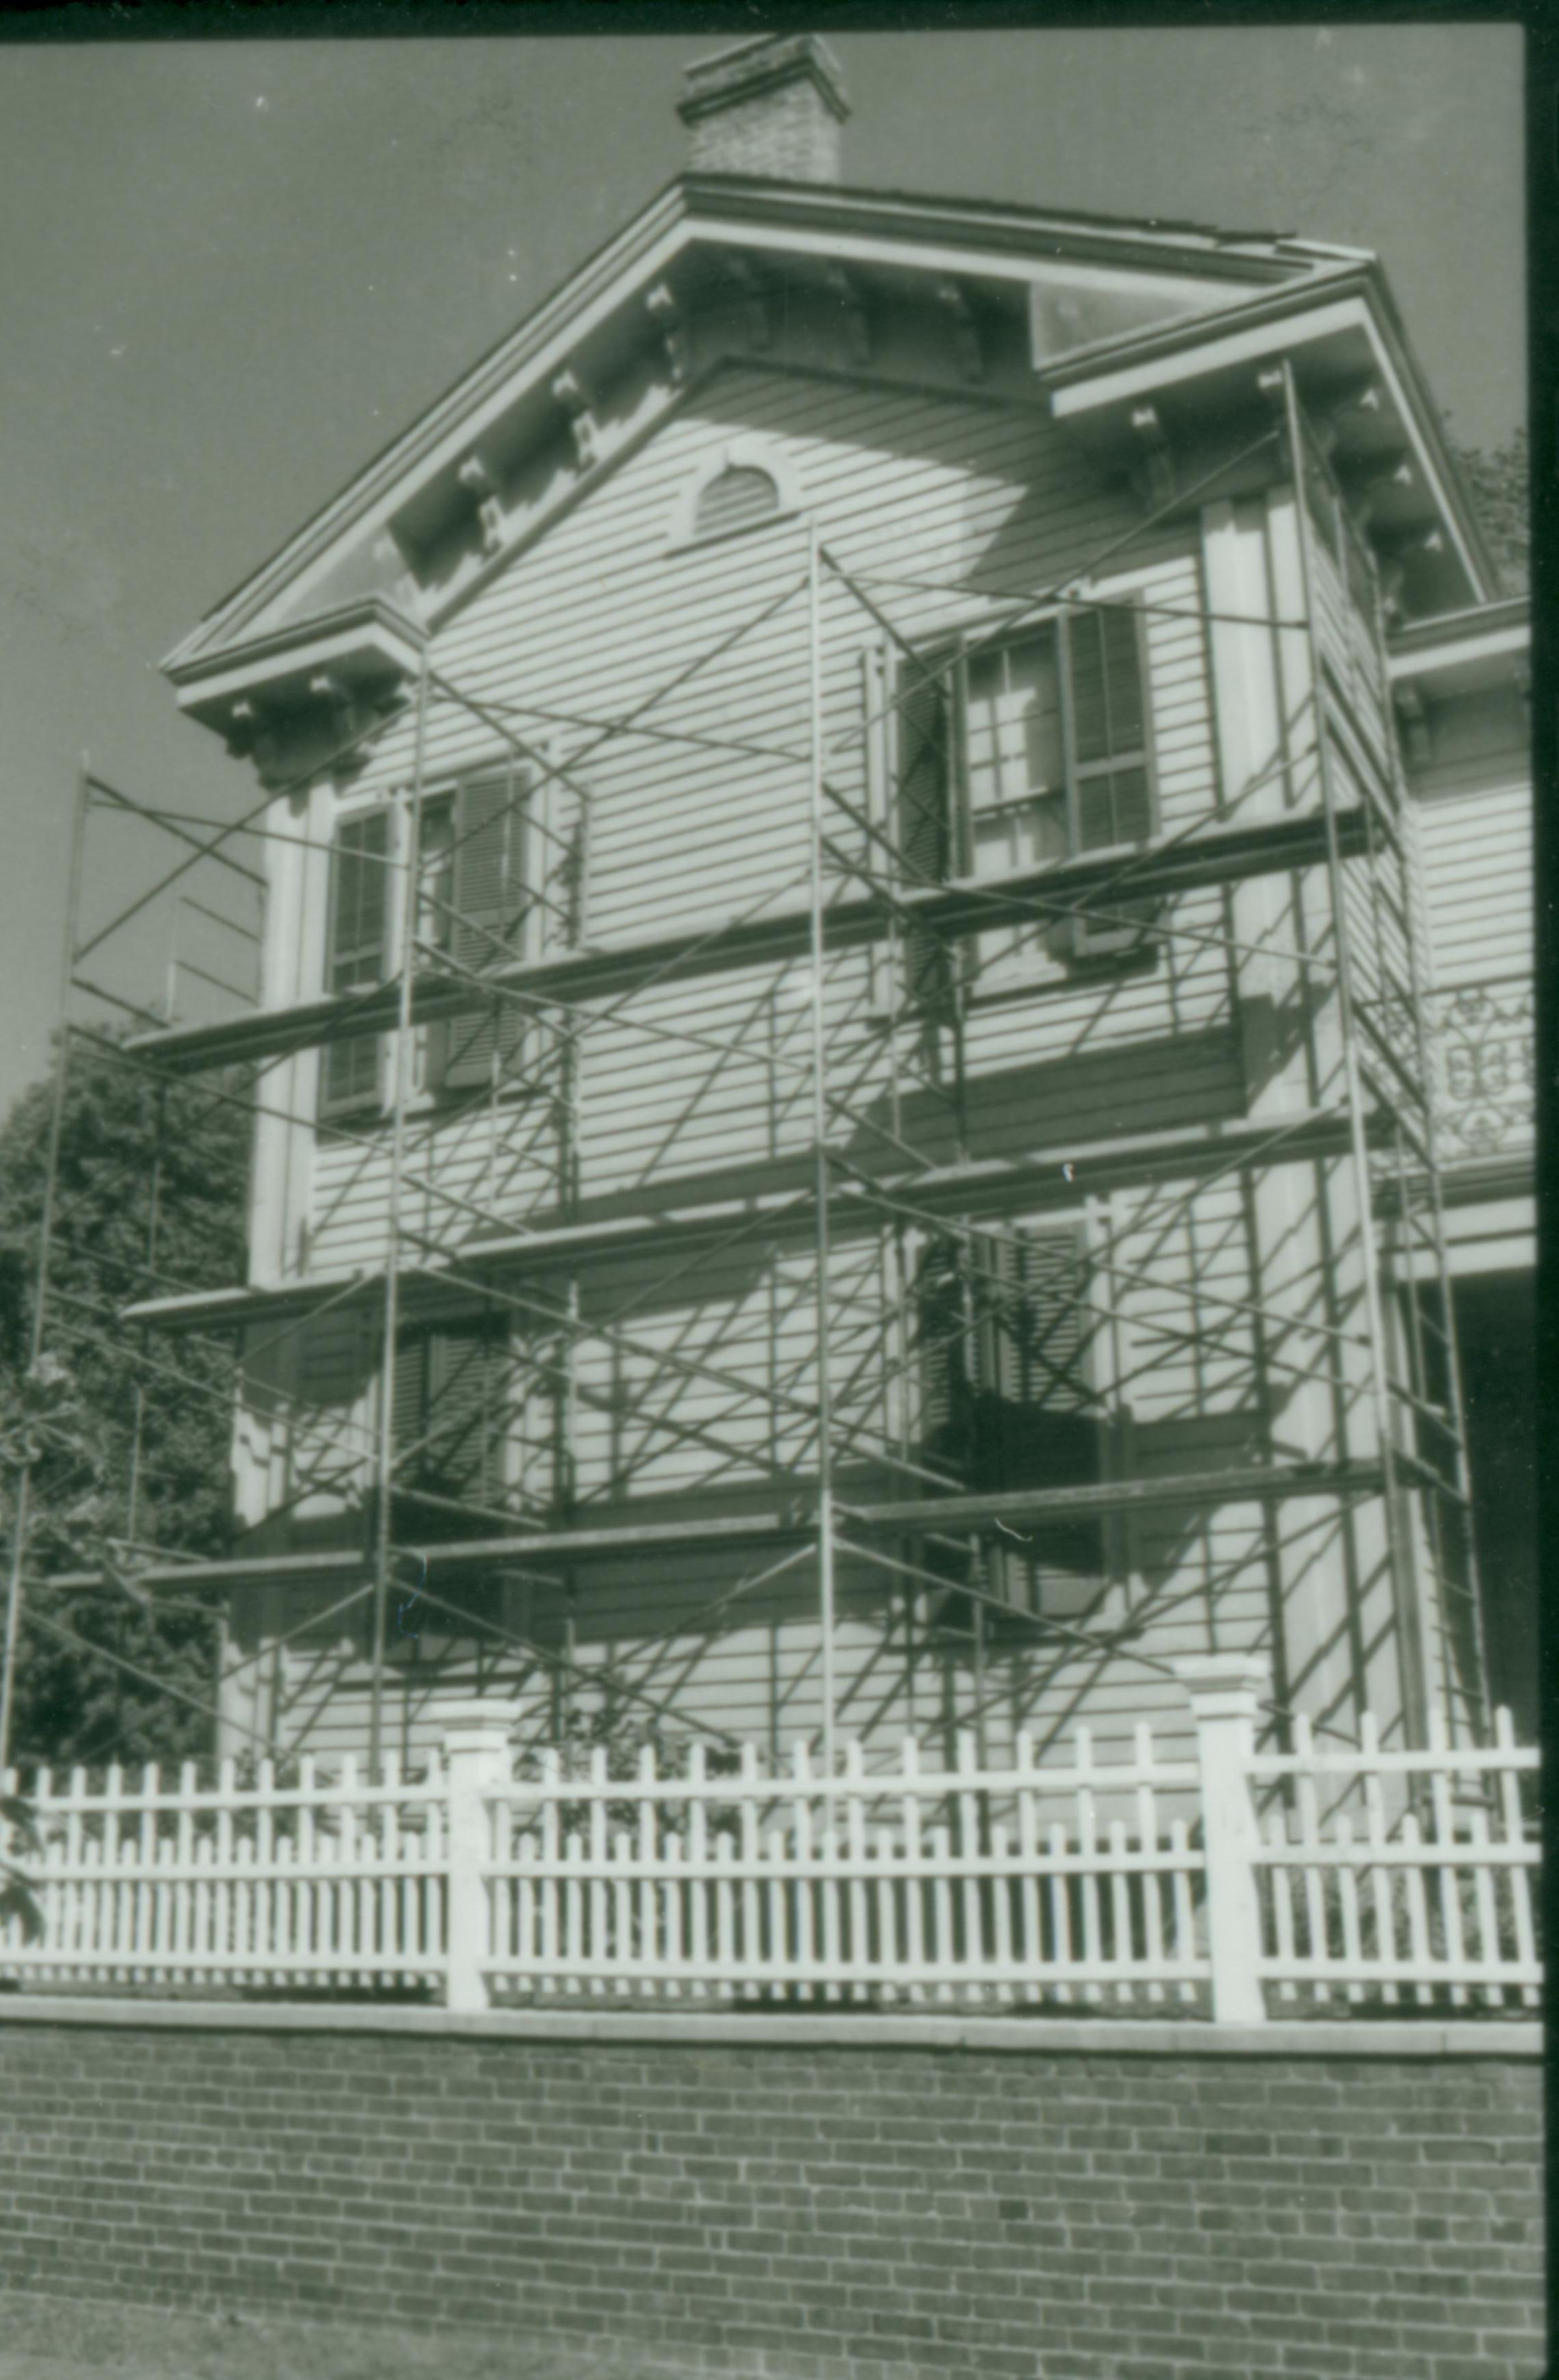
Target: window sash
{"points": [[491, 896], [1085, 784], [357, 952]]}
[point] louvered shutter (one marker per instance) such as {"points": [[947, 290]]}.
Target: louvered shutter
{"points": [[943, 1356], [357, 956], [925, 812], [1111, 782], [449, 1423], [463, 1385], [489, 899], [1034, 1422]]}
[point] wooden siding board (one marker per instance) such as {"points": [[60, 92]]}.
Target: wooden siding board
{"points": [[1477, 859]]}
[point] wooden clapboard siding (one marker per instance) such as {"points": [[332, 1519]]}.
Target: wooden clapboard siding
{"points": [[703, 1399], [1477, 858], [570, 631]]}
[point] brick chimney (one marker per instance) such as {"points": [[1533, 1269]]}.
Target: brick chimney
{"points": [[772, 108]]}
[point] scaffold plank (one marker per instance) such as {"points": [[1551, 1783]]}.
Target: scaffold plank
{"points": [[1221, 855], [1256, 1484], [988, 1189]]}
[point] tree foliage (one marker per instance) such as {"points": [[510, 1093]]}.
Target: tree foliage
{"points": [[124, 1438], [1499, 479]]}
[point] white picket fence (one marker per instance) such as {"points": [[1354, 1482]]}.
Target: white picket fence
{"points": [[1364, 1900], [302, 1886], [925, 1884], [1235, 1884]]}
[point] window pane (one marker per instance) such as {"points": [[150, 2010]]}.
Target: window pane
{"points": [[1014, 723], [357, 903]]}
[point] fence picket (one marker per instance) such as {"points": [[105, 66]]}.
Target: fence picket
{"points": [[1088, 1844], [1514, 1833], [1029, 1860], [941, 1880], [1448, 1881], [856, 1827], [1147, 1832], [1418, 1911]]}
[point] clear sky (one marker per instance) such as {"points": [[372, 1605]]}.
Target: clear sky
{"points": [[233, 269]]}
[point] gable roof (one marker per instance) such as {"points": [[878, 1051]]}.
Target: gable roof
{"points": [[1098, 290]]}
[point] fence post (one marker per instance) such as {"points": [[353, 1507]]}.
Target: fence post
{"points": [[1225, 1690], [476, 1760]]}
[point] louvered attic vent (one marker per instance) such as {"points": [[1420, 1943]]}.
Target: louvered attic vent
{"points": [[738, 496]]}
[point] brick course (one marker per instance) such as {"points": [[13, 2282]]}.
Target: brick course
{"points": [[856, 2211]]}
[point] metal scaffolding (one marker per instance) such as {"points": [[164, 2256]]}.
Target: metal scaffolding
{"points": [[885, 934]]}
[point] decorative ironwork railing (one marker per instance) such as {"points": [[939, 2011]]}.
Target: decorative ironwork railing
{"points": [[1483, 1052]]}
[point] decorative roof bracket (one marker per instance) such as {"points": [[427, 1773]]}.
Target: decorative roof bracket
{"points": [[1413, 719], [954, 301], [666, 314], [1329, 421], [576, 401], [845, 290], [1153, 474], [478, 480], [754, 297], [1365, 490]]}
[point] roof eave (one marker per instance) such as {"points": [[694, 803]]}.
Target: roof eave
{"points": [[690, 205]]}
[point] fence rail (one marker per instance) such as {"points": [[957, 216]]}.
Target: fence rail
{"points": [[1233, 1885]]}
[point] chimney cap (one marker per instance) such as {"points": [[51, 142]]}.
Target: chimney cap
{"points": [[750, 68]]}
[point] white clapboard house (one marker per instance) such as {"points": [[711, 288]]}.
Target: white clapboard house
{"points": [[895, 1012]]}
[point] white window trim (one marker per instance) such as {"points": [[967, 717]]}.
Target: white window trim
{"points": [[743, 454]]}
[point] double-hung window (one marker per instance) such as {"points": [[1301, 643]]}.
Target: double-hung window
{"points": [[472, 912], [1021, 750]]}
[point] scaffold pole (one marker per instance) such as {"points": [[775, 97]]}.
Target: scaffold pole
{"points": [[385, 1466], [820, 1151]]}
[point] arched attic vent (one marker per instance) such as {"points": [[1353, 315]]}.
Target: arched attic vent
{"points": [[746, 483]]}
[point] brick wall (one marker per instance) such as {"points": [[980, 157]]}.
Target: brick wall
{"points": [[822, 2203], [787, 135]]}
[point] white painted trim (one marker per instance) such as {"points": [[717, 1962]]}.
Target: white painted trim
{"points": [[1428, 661], [1076, 399], [1515, 2039], [296, 658]]}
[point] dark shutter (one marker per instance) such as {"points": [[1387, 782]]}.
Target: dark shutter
{"points": [[1035, 1417], [449, 1424], [356, 957], [488, 930], [925, 816], [1004, 1326], [942, 1349], [1111, 782]]}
